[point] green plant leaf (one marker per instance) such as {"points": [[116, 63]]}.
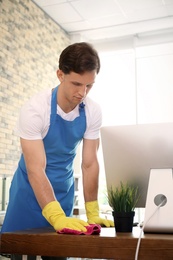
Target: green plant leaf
{"points": [[123, 198]]}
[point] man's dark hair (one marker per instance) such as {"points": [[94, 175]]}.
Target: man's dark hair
{"points": [[79, 58]]}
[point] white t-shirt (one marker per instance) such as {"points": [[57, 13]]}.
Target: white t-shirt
{"points": [[34, 118]]}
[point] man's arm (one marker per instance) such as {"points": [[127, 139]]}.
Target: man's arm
{"points": [[35, 159], [90, 169]]}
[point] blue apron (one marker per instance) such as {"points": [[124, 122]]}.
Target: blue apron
{"points": [[60, 144]]}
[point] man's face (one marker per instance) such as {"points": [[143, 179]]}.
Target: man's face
{"points": [[76, 86]]}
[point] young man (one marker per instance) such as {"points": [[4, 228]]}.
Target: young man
{"points": [[51, 126]]}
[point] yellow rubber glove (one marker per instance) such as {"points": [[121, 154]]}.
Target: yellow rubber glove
{"points": [[92, 212], [57, 218]]}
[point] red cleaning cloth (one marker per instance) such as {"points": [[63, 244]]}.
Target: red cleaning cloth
{"points": [[91, 229]]}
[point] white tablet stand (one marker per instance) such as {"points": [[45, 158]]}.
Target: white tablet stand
{"points": [[159, 203]]}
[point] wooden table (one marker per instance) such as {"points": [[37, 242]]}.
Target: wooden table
{"points": [[106, 245]]}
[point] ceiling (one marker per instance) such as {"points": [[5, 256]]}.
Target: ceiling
{"points": [[98, 20]]}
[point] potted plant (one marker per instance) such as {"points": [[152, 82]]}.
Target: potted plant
{"points": [[123, 200]]}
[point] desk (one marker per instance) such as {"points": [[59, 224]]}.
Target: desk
{"points": [[106, 245]]}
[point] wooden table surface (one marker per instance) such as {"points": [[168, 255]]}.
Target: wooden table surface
{"points": [[106, 245]]}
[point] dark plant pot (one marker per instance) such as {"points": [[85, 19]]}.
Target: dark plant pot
{"points": [[123, 221]]}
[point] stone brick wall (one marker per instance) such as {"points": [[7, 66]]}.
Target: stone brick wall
{"points": [[30, 46]]}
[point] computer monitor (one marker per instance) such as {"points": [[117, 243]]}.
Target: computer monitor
{"points": [[131, 151]]}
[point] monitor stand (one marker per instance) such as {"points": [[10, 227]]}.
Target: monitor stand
{"points": [[159, 202]]}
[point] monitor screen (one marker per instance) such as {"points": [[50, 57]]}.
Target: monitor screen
{"points": [[131, 151]]}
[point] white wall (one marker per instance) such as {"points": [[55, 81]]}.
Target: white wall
{"points": [[115, 88], [155, 83], [136, 85]]}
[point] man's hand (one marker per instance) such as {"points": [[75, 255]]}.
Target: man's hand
{"points": [[57, 218], [92, 212]]}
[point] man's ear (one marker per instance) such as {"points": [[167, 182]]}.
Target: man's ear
{"points": [[60, 75]]}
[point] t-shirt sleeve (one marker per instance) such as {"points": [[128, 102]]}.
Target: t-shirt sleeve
{"points": [[30, 123], [94, 120]]}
